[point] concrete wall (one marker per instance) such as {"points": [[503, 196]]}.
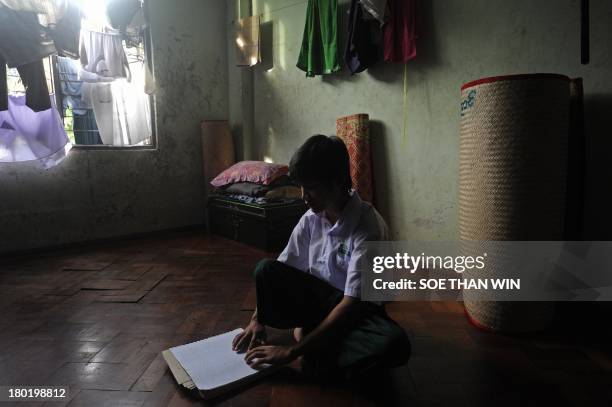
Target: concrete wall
{"points": [[240, 89], [98, 194], [274, 107], [462, 40]]}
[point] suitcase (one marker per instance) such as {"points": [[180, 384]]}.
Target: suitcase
{"points": [[265, 226]]}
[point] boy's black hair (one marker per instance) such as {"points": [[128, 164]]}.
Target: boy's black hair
{"points": [[323, 160]]}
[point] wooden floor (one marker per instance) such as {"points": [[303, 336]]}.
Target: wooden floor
{"points": [[96, 319]]}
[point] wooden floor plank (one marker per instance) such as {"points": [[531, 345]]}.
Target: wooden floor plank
{"points": [[97, 319]]}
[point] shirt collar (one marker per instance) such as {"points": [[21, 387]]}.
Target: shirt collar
{"points": [[349, 214]]}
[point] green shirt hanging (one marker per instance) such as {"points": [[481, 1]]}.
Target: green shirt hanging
{"points": [[319, 53]]}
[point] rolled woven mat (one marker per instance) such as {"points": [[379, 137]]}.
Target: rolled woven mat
{"points": [[512, 177], [354, 130], [217, 148]]}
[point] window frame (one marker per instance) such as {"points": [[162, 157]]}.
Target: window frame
{"points": [[55, 88]]}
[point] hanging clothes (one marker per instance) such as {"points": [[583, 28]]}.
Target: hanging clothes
{"points": [[3, 86], [99, 96], [23, 45], [35, 84], [68, 72], [121, 108], [376, 8], [121, 12], [50, 11], [400, 32], [319, 52], [34, 81], [34, 29], [67, 31], [26, 135], [361, 50], [85, 129], [150, 85], [31, 30], [22, 39], [103, 54], [132, 109]]}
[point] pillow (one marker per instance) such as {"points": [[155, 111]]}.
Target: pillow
{"points": [[258, 172]]}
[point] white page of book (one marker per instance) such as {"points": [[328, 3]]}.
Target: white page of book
{"points": [[211, 362]]}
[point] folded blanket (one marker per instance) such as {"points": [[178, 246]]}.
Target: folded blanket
{"points": [[247, 188]]}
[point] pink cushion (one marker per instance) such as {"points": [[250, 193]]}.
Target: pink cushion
{"points": [[251, 171]]}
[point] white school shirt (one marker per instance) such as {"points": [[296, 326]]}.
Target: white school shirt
{"points": [[332, 252]]}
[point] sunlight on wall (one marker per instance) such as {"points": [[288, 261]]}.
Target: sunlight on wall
{"points": [[280, 45], [255, 7], [271, 140]]}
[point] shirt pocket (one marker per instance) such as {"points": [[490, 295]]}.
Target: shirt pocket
{"points": [[342, 256], [105, 93]]}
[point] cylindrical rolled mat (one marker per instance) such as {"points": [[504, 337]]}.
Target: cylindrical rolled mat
{"points": [[512, 176], [354, 130], [217, 148]]}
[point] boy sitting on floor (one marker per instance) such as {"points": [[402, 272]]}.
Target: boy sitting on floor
{"points": [[315, 286]]}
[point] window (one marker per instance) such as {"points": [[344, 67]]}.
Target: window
{"points": [[105, 98]]}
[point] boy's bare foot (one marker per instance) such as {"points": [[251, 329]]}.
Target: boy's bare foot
{"points": [[298, 334]]}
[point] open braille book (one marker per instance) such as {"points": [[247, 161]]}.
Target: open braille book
{"points": [[210, 366]]}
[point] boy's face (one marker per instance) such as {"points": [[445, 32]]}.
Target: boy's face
{"points": [[319, 196]]}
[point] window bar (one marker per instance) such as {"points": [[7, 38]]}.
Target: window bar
{"points": [[55, 80]]}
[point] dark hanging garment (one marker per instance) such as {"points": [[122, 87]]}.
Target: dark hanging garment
{"points": [[3, 85], [361, 50], [34, 81], [35, 84], [377, 9], [67, 32], [121, 12], [24, 42], [400, 31], [86, 130], [22, 38]]}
